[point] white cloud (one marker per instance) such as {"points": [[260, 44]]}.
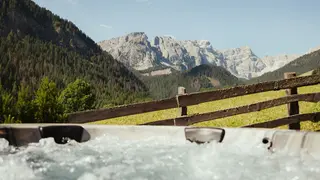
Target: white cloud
{"points": [[106, 26]]}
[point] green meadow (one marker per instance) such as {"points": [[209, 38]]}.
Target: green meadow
{"points": [[233, 121]]}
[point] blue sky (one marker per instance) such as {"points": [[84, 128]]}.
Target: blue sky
{"points": [[269, 27]]}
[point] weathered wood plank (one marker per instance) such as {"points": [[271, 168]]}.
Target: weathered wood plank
{"points": [[101, 114], [190, 99], [288, 120], [188, 120], [293, 107], [197, 98], [182, 111]]}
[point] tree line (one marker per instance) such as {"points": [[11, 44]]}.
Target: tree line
{"points": [[26, 60], [316, 71], [197, 79], [47, 104]]}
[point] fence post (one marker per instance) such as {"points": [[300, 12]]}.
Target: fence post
{"points": [[293, 107], [182, 111]]}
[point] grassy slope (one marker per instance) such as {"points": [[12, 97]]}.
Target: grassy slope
{"points": [[233, 121], [307, 73]]}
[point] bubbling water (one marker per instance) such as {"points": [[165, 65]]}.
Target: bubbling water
{"points": [[154, 158]]}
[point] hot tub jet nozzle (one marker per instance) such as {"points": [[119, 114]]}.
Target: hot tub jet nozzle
{"points": [[202, 135]]}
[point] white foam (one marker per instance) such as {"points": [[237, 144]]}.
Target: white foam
{"points": [[154, 158]]}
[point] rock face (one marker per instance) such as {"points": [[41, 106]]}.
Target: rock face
{"points": [[173, 54], [275, 62], [242, 62], [183, 55], [136, 51]]}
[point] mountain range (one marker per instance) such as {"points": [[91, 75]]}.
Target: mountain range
{"points": [[137, 52], [35, 43], [305, 63]]}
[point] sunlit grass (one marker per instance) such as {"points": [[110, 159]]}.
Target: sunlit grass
{"points": [[307, 73], [233, 121]]}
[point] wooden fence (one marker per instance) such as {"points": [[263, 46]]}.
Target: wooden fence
{"points": [[290, 83]]}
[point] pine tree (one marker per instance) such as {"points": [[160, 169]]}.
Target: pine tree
{"points": [[47, 107], [24, 105]]}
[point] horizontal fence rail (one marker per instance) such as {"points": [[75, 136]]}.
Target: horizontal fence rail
{"points": [[101, 114], [197, 118], [184, 100], [314, 117]]}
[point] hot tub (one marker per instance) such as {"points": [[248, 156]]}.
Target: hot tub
{"points": [[59, 151]]}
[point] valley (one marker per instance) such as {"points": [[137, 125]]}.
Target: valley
{"points": [[49, 67], [117, 89]]}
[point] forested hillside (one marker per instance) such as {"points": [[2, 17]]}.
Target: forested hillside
{"points": [[36, 44], [48, 68], [197, 79], [25, 17], [301, 65], [28, 59], [316, 71]]}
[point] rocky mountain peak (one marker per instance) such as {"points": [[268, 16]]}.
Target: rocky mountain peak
{"points": [[136, 37], [137, 34], [204, 43], [242, 50], [136, 51]]}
